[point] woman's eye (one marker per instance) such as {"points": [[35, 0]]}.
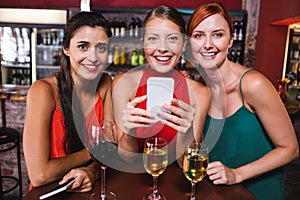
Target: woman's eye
{"points": [[102, 48], [173, 38], [218, 35], [152, 38], [82, 46], [197, 35]]}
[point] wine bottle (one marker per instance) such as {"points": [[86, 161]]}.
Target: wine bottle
{"points": [[116, 55], [122, 56], [122, 27], [131, 27], [241, 35], [134, 58], [141, 57]]}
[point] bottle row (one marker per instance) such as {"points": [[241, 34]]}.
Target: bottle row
{"points": [[121, 55], [120, 28], [238, 31], [234, 55], [50, 36], [20, 77]]}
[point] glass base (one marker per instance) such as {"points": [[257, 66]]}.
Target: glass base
{"points": [[154, 197], [108, 196]]}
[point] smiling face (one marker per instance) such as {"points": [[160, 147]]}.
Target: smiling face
{"points": [[88, 52], [210, 41], [163, 44]]}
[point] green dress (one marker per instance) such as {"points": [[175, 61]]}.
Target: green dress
{"points": [[240, 139]]}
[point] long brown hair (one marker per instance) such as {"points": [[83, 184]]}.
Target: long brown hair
{"points": [[72, 141]]}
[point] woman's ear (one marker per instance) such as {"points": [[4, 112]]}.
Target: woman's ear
{"points": [[230, 42], [66, 51]]}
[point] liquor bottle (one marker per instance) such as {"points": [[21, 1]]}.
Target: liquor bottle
{"points": [[122, 56], [110, 56], [122, 27], [112, 26], [131, 27], [241, 35], [182, 62], [134, 58], [238, 57], [117, 27], [141, 57], [235, 30], [137, 26], [116, 55]]}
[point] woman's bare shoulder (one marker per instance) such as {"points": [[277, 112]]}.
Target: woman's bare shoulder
{"points": [[127, 79], [42, 91]]}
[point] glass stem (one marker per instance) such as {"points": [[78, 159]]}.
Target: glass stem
{"points": [[155, 185], [103, 169], [193, 196]]}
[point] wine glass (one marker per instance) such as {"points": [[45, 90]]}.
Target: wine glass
{"points": [[155, 159], [195, 163], [104, 150]]}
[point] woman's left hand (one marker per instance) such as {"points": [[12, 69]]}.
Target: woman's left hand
{"points": [[221, 174], [84, 179], [180, 118]]}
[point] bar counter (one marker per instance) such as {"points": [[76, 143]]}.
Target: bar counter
{"points": [[132, 186]]}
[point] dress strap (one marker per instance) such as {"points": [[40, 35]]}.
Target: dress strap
{"points": [[54, 93], [241, 92]]}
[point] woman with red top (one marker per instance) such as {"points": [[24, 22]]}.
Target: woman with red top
{"points": [[182, 121], [53, 147]]}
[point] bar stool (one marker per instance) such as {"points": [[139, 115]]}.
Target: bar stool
{"points": [[9, 139]]}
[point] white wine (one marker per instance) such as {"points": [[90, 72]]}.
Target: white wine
{"points": [[195, 166], [155, 160]]}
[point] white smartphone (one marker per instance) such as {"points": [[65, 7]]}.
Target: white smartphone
{"points": [[159, 91], [58, 189]]}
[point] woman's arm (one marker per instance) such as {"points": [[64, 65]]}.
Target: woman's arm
{"points": [[275, 120], [36, 139]]}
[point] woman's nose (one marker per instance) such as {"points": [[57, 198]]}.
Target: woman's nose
{"points": [[207, 43], [163, 45], [93, 56]]}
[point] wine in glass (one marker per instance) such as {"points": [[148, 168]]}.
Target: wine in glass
{"points": [[104, 150], [155, 159], [195, 163]]}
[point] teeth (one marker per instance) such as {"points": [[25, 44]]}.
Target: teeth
{"points": [[208, 54], [90, 66], [163, 58]]}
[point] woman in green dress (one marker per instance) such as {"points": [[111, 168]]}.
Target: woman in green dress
{"points": [[247, 128]]}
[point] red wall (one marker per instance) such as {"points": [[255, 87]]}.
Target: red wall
{"points": [[230, 4], [271, 39]]}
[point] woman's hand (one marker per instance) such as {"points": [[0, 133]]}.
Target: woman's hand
{"points": [[84, 179], [136, 117], [220, 174], [180, 118]]}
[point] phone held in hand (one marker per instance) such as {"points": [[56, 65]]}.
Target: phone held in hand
{"points": [[58, 189], [159, 91]]}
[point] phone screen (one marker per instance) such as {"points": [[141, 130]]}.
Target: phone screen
{"points": [[159, 91]]}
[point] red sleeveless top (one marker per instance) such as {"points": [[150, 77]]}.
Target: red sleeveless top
{"points": [[57, 134], [180, 93]]}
